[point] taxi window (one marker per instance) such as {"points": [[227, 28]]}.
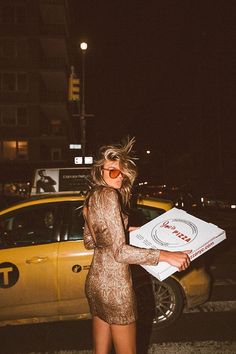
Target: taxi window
{"points": [[76, 224], [29, 226]]}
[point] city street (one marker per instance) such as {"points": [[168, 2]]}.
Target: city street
{"points": [[210, 328], [90, 91]]}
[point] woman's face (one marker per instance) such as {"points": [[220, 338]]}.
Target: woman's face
{"points": [[112, 174]]}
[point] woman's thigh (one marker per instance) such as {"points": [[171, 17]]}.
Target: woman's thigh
{"points": [[124, 338], [101, 336]]}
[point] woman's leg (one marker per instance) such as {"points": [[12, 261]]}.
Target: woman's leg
{"points": [[101, 336], [124, 338]]}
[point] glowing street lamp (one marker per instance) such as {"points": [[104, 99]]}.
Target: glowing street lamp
{"points": [[83, 45]]}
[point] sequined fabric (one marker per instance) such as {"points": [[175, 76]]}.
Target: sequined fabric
{"points": [[109, 285]]}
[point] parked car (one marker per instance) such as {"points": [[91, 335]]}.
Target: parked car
{"points": [[220, 202], [218, 195], [182, 199], [43, 265]]}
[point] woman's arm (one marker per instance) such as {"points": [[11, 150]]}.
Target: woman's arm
{"points": [[88, 238], [130, 254], [113, 218], [180, 260]]}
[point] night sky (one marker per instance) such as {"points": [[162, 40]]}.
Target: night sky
{"points": [[164, 72]]}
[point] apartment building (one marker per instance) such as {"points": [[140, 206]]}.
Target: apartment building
{"points": [[36, 53]]}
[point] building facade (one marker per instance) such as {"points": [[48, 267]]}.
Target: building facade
{"points": [[35, 59]]}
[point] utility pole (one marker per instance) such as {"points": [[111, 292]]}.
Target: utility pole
{"points": [[74, 95], [83, 115], [83, 47]]}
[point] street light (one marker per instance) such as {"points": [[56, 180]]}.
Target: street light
{"points": [[83, 47]]}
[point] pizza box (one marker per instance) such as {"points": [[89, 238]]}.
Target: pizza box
{"points": [[176, 230]]}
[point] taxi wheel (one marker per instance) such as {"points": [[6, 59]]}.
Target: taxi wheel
{"points": [[159, 303]]}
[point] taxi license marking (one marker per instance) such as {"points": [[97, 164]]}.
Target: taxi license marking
{"points": [[9, 274]]}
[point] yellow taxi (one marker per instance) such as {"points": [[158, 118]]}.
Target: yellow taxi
{"points": [[43, 265]]}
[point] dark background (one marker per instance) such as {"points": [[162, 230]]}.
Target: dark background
{"points": [[164, 72]]}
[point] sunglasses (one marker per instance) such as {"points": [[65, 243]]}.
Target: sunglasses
{"points": [[114, 173]]}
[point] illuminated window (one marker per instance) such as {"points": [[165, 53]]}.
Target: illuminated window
{"points": [[9, 150], [22, 151], [14, 150]]}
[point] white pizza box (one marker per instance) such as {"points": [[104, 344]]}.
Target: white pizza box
{"points": [[176, 230]]}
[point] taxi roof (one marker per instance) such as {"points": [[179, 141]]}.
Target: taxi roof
{"points": [[44, 198]]}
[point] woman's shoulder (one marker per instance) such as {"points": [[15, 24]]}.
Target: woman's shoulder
{"points": [[104, 194], [107, 191]]}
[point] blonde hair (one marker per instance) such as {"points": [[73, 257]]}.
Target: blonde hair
{"points": [[122, 153]]}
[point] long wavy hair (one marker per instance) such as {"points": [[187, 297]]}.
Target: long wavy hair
{"points": [[122, 153]]}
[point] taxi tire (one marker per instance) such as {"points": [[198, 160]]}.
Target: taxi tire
{"points": [[159, 303]]}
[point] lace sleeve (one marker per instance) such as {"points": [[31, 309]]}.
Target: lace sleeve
{"points": [[122, 252], [88, 238]]}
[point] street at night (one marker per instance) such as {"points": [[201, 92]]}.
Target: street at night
{"points": [[209, 328], [157, 81]]}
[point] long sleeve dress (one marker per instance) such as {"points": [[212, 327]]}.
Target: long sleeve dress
{"points": [[108, 285]]}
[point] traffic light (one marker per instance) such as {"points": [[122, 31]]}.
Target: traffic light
{"points": [[74, 88]]}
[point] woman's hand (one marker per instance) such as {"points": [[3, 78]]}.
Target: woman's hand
{"points": [[177, 259]]}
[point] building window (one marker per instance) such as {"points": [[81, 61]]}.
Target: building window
{"points": [[8, 116], [14, 82], [8, 48], [14, 150], [12, 48], [13, 13], [20, 13], [9, 150], [7, 14], [22, 48], [56, 126], [22, 116], [11, 116], [8, 82], [55, 154], [22, 150]]}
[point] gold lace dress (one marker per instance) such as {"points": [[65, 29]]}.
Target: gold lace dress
{"points": [[109, 287]]}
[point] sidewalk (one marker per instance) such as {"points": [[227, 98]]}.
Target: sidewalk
{"points": [[204, 347]]}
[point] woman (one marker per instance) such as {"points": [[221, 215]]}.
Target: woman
{"points": [[108, 285]]}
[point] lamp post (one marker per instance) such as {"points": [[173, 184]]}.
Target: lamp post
{"points": [[83, 47]]}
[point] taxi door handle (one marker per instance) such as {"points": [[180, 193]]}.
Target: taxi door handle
{"points": [[36, 260]]}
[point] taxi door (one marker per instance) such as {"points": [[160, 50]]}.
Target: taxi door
{"points": [[73, 265], [28, 264]]}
